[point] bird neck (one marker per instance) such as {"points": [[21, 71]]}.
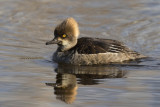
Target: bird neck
{"points": [[68, 46]]}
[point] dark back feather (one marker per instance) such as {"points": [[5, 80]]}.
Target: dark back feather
{"points": [[88, 45]]}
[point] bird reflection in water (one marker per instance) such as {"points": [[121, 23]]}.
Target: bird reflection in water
{"points": [[67, 76], [65, 87]]}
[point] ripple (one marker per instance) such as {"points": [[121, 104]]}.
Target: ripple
{"points": [[28, 77]]}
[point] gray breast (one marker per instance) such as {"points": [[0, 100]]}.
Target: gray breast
{"points": [[64, 57]]}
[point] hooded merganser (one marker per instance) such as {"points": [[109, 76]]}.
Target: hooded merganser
{"points": [[86, 50]]}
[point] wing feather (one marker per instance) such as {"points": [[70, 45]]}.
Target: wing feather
{"points": [[95, 45]]}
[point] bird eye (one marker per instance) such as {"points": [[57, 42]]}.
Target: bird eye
{"points": [[64, 35]]}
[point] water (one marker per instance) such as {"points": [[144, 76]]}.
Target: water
{"points": [[28, 78]]}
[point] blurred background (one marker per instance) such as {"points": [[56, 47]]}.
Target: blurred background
{"points": [[28, 77]]}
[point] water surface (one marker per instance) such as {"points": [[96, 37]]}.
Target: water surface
{"points": [[28, 77]]}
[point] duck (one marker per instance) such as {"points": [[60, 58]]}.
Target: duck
{"points": [[86, 50]]}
